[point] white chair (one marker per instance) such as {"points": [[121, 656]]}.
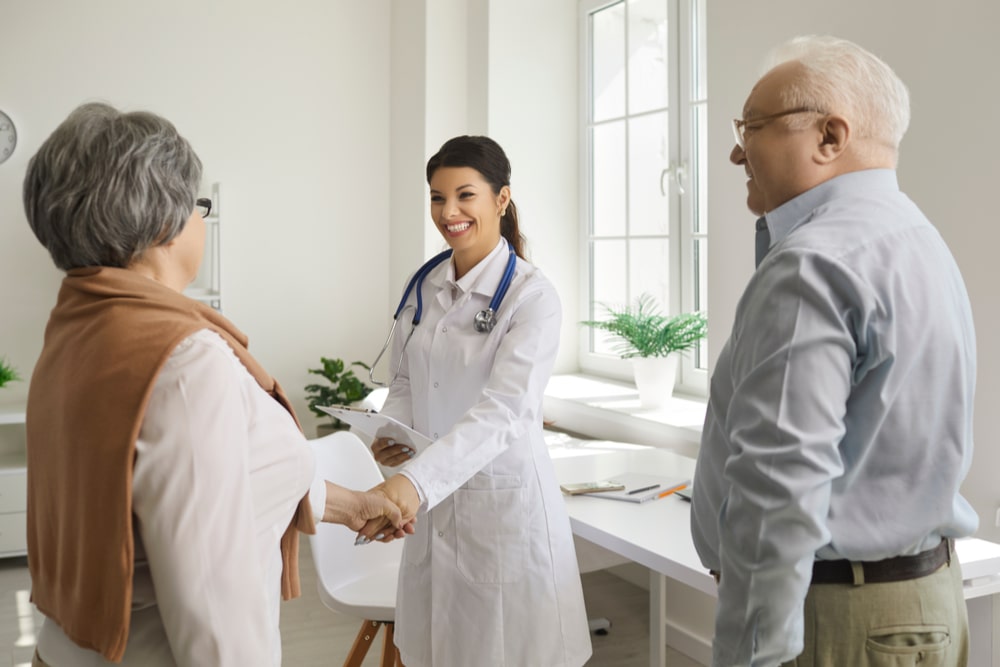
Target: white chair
{"points": [[355, 580]]}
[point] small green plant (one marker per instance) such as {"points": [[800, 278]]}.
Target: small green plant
{"points": [[643, 332], [7, 373], [344, 387]]}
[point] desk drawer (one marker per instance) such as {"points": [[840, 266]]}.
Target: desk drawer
{"points": [[13, 531], [13, 490]]}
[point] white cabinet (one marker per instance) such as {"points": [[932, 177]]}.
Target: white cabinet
{"points": [[207, 286], [13, 482]]}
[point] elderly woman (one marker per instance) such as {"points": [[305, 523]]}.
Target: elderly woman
{"points": [[167, 474]]}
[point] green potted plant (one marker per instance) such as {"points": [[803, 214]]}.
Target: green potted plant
{"points": [[343, 388], [7, 373], [653, 342]]}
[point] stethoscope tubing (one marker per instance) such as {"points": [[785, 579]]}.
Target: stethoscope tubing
{"points": [[484, 322]]}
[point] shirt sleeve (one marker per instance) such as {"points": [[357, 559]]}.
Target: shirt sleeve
{"points": [[193, 503], [792, 357], [511, 399]]}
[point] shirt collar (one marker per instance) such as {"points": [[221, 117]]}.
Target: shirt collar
{"points": [[484, 277], [798, 210]]}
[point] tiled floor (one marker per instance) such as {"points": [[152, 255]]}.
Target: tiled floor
{"points": [[313, 635]]}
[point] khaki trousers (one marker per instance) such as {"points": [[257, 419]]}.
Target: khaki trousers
{"points": [[921, 622]]}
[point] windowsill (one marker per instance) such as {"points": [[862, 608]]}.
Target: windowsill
{"points": [[608, 410]]}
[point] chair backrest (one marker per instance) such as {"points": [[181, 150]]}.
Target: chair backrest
{"points": [[342, 458]]}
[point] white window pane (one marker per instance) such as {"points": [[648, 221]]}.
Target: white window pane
{"points": [[608, 62], [609, 286], [649, 271], [648, 187], [647, 55], [609, 179]]}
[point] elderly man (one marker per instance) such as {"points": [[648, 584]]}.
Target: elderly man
{"points": [[839, 426]]}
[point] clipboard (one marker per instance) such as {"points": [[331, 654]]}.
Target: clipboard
{"points": [[376, 425]]}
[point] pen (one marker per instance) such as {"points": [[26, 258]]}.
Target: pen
{"points": [[669, 491], [645, 488]]}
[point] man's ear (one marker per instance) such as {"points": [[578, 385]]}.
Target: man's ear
{"points": [[835, 133]]}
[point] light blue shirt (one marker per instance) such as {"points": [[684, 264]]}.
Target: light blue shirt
{"points": [[839, 423]]}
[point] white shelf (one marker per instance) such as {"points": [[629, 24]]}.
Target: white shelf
{"points": [[207, 286], [608, 410]]}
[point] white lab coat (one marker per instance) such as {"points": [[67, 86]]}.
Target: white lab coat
{"points": [[490, 577]]}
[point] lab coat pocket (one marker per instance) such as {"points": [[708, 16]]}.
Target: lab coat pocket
{"points": [[490, 529]]}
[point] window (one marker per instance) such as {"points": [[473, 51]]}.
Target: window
{"points": [[644, 113]]}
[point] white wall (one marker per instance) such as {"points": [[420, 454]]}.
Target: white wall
{"points": [[287, 108], [533, 114], [947, 55]]}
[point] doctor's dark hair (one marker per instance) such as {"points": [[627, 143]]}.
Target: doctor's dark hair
{"points": [[106, 186], [485, 156]]}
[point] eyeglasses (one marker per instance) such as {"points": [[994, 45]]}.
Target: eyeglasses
{"points": [[740, 125], [204, 206]]}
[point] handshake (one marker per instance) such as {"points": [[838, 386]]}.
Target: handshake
{"points": [[383, 513]]}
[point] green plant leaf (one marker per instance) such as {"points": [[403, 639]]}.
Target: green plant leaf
{"points": [[641, 331], [344, 386], [7, 372]]}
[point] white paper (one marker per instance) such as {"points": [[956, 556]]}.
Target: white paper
{"points": [[375, 425], [634, 481]]}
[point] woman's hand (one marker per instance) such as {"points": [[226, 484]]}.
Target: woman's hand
{"points": [[390, 453], [401, 493], [355, 509]]}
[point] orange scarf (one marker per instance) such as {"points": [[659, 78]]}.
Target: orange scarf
{"points": [[107, 338]]}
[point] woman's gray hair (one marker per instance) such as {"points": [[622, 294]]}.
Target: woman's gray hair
{"points": [[106, 186], [841, 77]]}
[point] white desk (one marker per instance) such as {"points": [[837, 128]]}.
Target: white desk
{"points": [[657, 534]]}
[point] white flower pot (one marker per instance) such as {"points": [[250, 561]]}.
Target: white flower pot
{"points": [[654, 378]]}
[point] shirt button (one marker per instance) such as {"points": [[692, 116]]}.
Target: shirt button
{"points": [[444, 329], [434, 435], [435, 385], [440, 533]]}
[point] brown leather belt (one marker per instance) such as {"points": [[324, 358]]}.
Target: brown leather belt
{"points": [[900, 568]]}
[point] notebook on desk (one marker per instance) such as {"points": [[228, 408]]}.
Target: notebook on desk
{"points": [[640, 487]]}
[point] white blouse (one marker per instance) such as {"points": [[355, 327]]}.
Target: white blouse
{"points": [[220, 468]]}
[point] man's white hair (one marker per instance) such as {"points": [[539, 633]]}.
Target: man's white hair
{"points": [[841, 77]]}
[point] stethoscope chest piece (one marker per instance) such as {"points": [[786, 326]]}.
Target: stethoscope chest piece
{"points": [[485, 320]]}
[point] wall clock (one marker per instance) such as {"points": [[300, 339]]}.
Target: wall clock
{"points": [[8, 137]]}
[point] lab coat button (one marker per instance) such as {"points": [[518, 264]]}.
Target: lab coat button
{"points": [[435, 385], [435, 435], [440, 533], [444, 329]]}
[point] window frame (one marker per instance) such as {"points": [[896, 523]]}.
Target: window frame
{"points": [[685, 21]]}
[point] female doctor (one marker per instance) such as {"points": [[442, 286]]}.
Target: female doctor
{"points": [[490, 577]]}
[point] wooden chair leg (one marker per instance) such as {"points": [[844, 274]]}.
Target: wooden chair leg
{"points": [[366, 635], [389, 652]]}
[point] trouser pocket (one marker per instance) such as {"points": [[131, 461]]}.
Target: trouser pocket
{"points": [[906, 645]]}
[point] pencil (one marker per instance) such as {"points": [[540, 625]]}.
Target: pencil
{"points": [[669, 491]]}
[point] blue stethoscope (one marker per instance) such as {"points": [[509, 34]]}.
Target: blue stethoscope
{"points": [[484, 321]]}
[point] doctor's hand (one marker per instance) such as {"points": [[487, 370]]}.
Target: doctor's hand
{"points": [[390, 453], [355, 509], [401, 492]]}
